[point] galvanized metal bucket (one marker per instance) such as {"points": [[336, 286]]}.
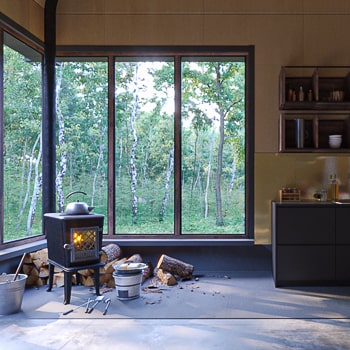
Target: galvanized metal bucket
{"points": [[128, 286], [11, 293]]}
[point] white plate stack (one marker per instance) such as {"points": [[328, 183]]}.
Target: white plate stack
{"points": [[335, 141]]}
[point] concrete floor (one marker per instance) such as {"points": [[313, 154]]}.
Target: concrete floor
{"points": [[194, 334], [258, 316], [270, 330]]}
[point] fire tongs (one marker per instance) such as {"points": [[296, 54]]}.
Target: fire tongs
{"points": [[97, 300]]}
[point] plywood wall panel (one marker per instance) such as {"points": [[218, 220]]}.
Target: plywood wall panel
{"points": [[26, 13]]}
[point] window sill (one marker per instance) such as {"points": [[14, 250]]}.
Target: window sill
{"points": [[132, 242], [14, 252]]}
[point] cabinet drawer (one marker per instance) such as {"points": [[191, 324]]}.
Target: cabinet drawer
{"points": [[343, 225], [343, 263], [305, 225], [305, 264]]}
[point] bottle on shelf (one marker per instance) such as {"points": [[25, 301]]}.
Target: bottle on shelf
{"points": [[333, 190], [309, 95], [301, 94]]}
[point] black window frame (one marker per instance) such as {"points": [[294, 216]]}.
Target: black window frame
{"points": [[11, 28], [175, 52]]}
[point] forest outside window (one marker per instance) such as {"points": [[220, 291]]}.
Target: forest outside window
{"points": [[211, 188], [20, 140], [163, 147]]}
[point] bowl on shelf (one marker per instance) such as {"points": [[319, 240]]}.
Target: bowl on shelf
{"points": [[335, 141]]}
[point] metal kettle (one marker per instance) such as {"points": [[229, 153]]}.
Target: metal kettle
{"points": [[78, 208]]}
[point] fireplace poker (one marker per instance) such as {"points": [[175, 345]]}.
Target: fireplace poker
{"points": [[87, 305], [107, 301], [76, 308], [97, 300]]}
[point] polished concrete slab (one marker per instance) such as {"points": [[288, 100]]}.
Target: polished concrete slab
{"points": [[195, 334], [243, 311]]}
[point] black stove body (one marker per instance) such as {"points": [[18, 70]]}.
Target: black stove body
{"points": [[74, 240]]}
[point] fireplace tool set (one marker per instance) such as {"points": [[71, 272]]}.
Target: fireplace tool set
{"points": [[94, 303]]}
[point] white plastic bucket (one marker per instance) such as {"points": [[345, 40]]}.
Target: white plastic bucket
{"points": [[128, 286], [11, 293]]}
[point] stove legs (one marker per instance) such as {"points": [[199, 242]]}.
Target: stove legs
{"points": [[51, 271], [68, 273]]}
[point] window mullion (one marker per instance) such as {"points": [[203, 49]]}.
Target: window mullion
{"points": [[177, 153]]}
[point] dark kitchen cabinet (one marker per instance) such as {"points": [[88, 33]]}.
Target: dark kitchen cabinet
{"points": [[342, 240], [310, 243]]}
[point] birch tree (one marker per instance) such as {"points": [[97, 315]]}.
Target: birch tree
{"points": [[36, 189], [61, 142], [133, 167], [167, 184]]}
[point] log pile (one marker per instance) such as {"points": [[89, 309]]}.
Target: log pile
{"points": [[168, 270], [36, 267]]}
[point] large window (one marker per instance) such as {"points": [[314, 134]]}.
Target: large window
{"points": [[82, 133], [208, 195], [21, 146], [144, 146], [160, 139], [213, 145]]}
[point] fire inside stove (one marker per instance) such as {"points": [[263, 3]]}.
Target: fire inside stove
{"points": [[84, 243]]}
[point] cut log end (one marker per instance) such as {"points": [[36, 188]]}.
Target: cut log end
{"points": [[175, 267]]}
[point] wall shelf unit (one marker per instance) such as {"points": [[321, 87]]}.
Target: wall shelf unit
{"points": [[324, 88], [323, 108], [317, 128]]}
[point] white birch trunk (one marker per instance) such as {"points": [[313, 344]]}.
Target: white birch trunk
{"points": [[36, 189], [233, 176], [29, 176], [133, 168], [61, 143], [206, 212], [98, 166], [167, 184]]}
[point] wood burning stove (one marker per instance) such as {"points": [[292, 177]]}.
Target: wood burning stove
{"points": [[74, 243]]}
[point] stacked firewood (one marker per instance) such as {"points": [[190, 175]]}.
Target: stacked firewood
{"points": [[36, 267], [167, 272]]}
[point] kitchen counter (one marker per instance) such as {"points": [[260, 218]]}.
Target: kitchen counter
{"points": [[345, 202], [311, 242]]}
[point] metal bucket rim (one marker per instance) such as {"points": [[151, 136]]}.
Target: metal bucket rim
{"points": [[10, 276]]}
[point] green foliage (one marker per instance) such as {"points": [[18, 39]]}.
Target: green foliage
{"points": [[209, 90]]}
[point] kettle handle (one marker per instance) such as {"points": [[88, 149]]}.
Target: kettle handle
{"points": [[74, 192]]}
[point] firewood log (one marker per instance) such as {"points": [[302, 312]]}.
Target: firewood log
{"points": [[32, 280], [105, 278], [88, 281], [109, 267], [166, 278], [41, 255], [86, 272], [28, 259], [110, 252], [136, 258], [147, 272], [44, 272], [27, 268], [175, 267], [58, 279], [154, 283]]}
